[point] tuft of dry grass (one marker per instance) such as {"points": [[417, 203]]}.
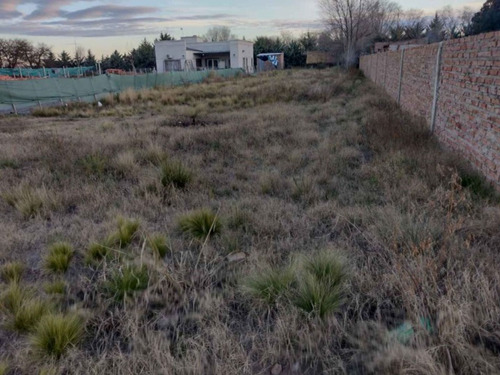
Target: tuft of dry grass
{"points": [[31, 202]]}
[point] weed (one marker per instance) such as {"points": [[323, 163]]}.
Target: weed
{"points": [[124, 281], [56, 333], [159, 245], [59, 257], [175, 174], [270, 285], [201, 224], [12, 272], [319, 290]]}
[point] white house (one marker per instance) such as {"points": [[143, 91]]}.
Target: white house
{"points": [[192, 53]]}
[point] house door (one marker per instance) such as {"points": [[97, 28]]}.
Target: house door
{"points": [[213, 64], [172, 65]]}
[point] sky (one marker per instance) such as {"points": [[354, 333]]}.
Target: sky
{"points": [[106, 25]]}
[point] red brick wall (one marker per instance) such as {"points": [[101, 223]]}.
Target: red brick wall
{"points": [[468, 97]]}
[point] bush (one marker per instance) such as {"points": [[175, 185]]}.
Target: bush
{"points": [[159, 245], [12, 272], [56, 333], [200, 224], [319, 289], [174, 174], [59, 257], [270, 285], [125, 281], [94, 165]]}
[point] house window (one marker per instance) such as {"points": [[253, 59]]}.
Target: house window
{"points": [[213, 64], [172, 65]]}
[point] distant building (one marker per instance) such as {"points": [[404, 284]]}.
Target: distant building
{"points": [[398, 46], [270, 61], [320, 58], [192, 53]]}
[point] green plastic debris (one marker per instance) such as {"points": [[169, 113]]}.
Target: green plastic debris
{"points": [[405, 332]]}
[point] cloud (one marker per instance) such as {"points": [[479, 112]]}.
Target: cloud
{"points": [[108, 11], [8, 9]]}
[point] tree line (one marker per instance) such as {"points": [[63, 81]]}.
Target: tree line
{"points": [[357, 24]]}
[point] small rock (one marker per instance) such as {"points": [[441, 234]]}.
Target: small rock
{"points": [[99, 104], [236, 257], [277, 369]]}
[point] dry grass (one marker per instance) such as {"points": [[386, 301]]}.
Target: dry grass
{"points": [[291, 164]]}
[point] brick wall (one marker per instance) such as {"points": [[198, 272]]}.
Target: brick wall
{"points": [[467, 110]]}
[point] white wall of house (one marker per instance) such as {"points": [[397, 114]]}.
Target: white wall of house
{"points": [[239, 53]]}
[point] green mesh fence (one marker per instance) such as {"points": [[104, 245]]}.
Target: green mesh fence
{"points": [[46, 72], [19, 95]]}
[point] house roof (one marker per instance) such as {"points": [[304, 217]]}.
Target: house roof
{"points": [[270, 54]]}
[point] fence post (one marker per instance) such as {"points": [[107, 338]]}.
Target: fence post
{"points": [[385, 69], [14, 108], [401, 75], [436, 86], [376, 69]]}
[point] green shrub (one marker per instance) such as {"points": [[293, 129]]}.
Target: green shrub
{"points": [[319, 288], [56, 333], [159, 245], [174, 174], [59, 257], [55, 287], [270, 285], [12, 272], [125, 281], [200, 224]]}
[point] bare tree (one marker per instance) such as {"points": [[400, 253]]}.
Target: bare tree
{"points": [[35, 55], [79, 55], [219, 34], [357, 22]]}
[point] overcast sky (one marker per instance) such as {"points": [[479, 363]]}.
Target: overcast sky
{"points": [[106, 25]]}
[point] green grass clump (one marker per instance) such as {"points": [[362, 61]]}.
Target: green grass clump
{"points": [[126, 231], [56, 333], [174, 174], [28, 314], [319, 289], [7, 163], [159, 245], [12, 272], [30, 202], [94, 165], [270, 285], [98, 251], [125, 281], [201, 224], [55, 287], [477, 185], [13, 297], [4, 368], [59, 257]]}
